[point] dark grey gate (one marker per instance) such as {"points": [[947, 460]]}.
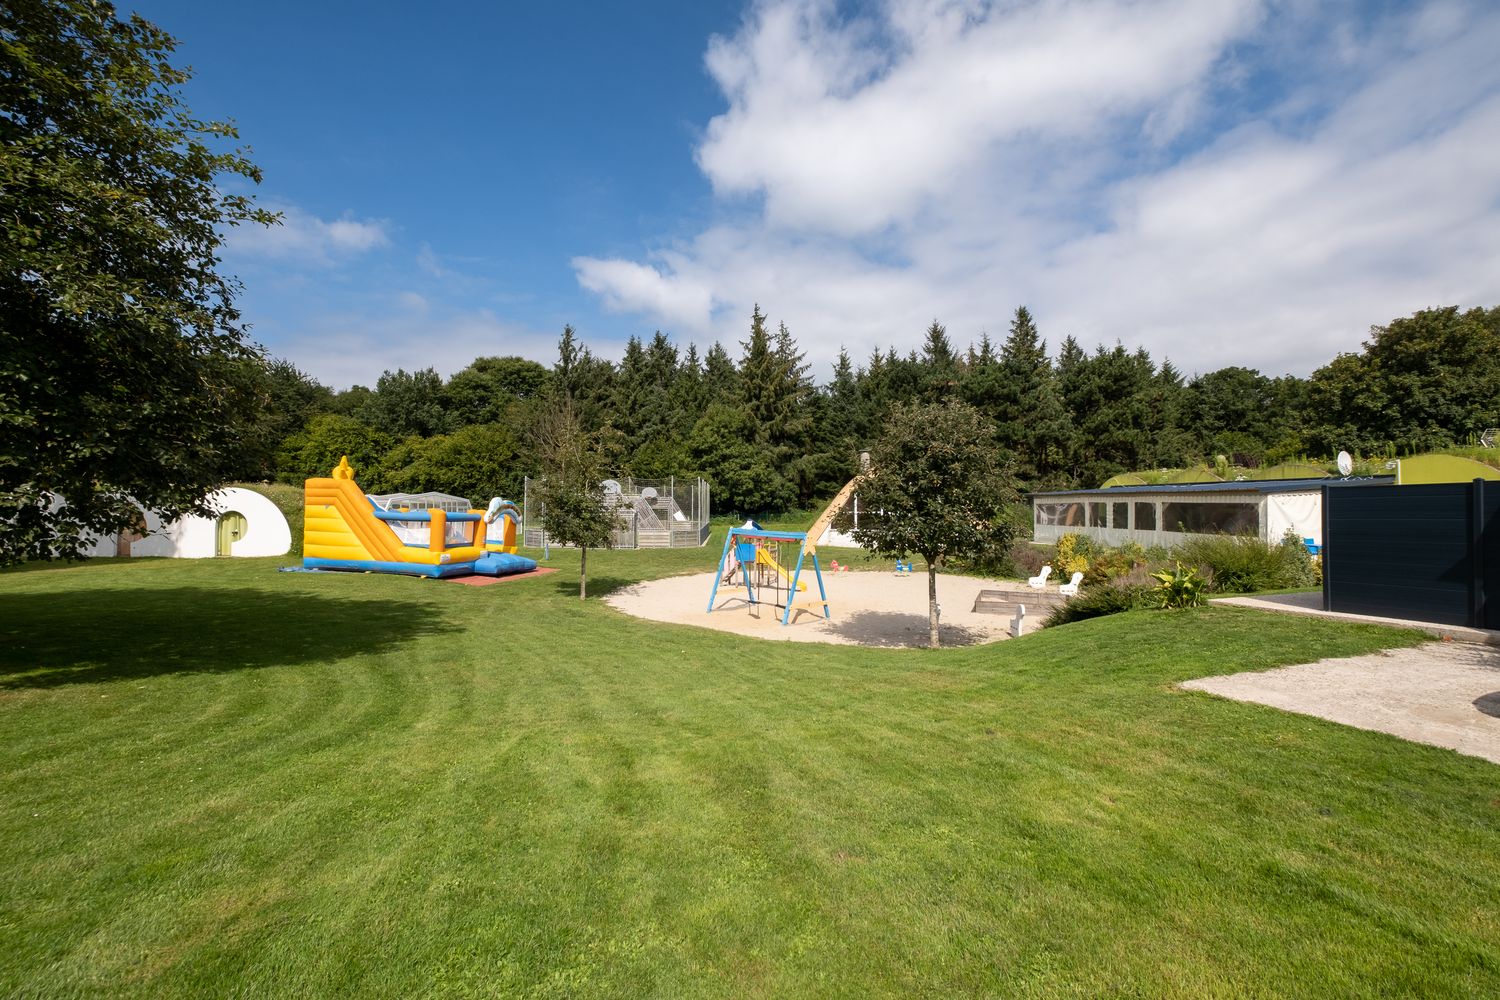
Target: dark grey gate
{"points": [[1420, 552]]}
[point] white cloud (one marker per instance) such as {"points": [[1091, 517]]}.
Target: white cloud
{"points": [[626, 286], [1180, 175], [920, 117], [355, 347], [305, 238]]}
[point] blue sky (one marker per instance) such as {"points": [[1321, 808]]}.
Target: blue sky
{"points": [[1220, 181]]}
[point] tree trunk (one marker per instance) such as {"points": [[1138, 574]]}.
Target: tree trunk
{"points": [[932, 606], [583, 573]]}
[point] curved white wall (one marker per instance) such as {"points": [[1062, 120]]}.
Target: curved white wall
{"points": [[266, 530]]}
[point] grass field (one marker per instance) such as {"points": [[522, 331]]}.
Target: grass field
{"points": [[218, 780]]}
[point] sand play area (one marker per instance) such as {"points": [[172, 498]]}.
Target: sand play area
{"points": [[871, 608]]}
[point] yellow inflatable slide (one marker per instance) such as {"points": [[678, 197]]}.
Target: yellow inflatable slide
{"points": [[344, 528]]}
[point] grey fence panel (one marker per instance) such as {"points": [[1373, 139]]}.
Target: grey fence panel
{"points": [[1417, 552]]}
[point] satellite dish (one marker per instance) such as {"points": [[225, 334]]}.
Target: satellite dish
{"points": [[1346, 464]]}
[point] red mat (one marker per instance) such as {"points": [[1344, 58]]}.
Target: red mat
{"points": [[484, 581]]}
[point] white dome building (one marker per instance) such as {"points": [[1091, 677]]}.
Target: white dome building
{"points": [[246, 524]]}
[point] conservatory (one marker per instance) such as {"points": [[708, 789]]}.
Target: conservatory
{"points": [[1169, 514]]}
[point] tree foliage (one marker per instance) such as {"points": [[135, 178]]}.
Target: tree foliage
{"points": [[574, 507], [126, 379], [939, 484]]}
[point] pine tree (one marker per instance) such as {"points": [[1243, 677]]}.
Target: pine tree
{"points": [[1018, 390], [940, 365], [721, 382]]}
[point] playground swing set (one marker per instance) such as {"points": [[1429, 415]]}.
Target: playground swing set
{"points": [[755, 554]]}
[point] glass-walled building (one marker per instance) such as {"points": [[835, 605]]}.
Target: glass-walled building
{"points": [[1169, 514]]}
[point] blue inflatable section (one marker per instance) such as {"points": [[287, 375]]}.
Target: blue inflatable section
{"points": [[489, 564], [503, 564]]}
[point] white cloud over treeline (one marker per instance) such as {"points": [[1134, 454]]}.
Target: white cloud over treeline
{"points": [[1221, 181]]}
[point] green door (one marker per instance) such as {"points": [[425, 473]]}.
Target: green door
{"points": [[231, 530]]}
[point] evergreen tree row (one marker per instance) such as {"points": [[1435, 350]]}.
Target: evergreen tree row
{"points": [[768, 438]]}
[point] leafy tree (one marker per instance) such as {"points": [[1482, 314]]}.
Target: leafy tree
{"points": [[408, 403], [126, 379], [740, 473], [483, 392], [292, 398], [940, 485], [1232, 412], [575, 508], [351, 401], [316, 449], [478, 462]]}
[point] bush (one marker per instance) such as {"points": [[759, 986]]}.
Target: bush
{"points": [[1240, 564], [1299, 565], [1112, 563], [1178, 587], [1073, 553], [1124, 593], [1023, 560]]}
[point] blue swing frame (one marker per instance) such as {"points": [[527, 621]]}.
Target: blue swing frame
{"points": [[747, 537]]}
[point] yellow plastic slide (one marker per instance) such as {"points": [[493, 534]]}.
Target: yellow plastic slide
{"points": [[764, 558]]}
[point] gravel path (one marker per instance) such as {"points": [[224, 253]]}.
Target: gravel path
{"points": [[1446, 694]]}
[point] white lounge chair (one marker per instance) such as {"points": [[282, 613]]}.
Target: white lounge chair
{"points": [[1040, 581], [1070, 589]]}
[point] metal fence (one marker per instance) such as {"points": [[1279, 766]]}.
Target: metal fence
{"points": [[667, 513]]}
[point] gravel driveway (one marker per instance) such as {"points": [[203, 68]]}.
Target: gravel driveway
{"points": [[1446, 694]]}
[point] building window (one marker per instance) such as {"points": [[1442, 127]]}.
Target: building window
{"points": [[1145, 516], [1068, 515], [1098, 512], [1211, 518], [1121, 515]]}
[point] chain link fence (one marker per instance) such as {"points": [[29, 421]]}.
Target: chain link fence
{"points": [[667, 513]]}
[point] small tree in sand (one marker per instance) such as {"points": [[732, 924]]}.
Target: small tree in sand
{"points": [[939, 482], [575, 510]]}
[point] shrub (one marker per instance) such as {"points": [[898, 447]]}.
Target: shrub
{"points": [[1124, 593], [1112, 563], [1240, 564], [1301, 568], [1178, 587], [1025, 559], [1073, 553]]}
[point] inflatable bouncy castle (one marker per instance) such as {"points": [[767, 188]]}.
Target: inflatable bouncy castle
{"points": [[346, 529]]}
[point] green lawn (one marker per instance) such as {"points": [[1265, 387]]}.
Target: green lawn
{"points": [[219, 780]]}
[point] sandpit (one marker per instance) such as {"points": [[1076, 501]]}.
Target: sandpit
{"points": [[872, 608]]}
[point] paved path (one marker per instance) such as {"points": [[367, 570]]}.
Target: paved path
{"points": [[1311, 603], [1446, 694]]}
